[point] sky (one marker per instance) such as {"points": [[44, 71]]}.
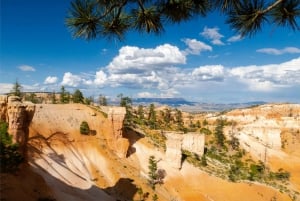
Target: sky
{"points": [[201, 60]]}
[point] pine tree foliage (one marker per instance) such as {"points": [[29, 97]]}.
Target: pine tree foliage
{"points": [[152, 116], [78, 96], [219, 133], [16, 90], [84, 128], [64, 95], [152, 171], [90, 19], [10, 157], [102, 100]]}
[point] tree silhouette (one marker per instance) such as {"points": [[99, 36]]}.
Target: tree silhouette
{"points": [[90, 19], [219, 133], [152, 116], [84, 128], [152, 171], [16, 90], [78, 96], [102, 100], [53, 98], [64, 95]]}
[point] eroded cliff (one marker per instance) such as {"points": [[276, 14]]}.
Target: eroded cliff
{"points": [[19, 115], [176, 142], [79, 167], [260, 130]]}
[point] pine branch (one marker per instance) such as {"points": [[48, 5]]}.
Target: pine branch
{"points": [[272, 6]]}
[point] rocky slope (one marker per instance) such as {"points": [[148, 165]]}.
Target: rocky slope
{"points": [[271, 133], [79, 167]]}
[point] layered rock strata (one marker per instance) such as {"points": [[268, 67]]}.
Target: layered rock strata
{"points": [[18, 115], [260, 129], [66, 118], [176, 142], [116, 141]]}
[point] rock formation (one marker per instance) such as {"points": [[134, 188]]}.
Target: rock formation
{"points": [[18, 115], [66, 118], [176, 142], [173, 151], [259, 129], [116, 142], [3, 107]]}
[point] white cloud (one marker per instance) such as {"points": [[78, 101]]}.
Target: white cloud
{"points": [[213, 35], [100, 78], [5, 88], [273, 51], [152, 73], [71, 80], [138, 60], [26, 68], [50, 80], [195, 47], [147, 95], [146, 80], [165, 94], [209, 73], [170, 93], [235, 38], [269, 77]]}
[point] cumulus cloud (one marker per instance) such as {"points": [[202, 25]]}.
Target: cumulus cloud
{"points": [[165, 94], [147, 80], [72, 80], [146, 94], [26, 68], [209, 73], [100, 78], [155, 72], [273, 51], [195, 47], [50, 80], [7, 87], [235, 38], [138, 60], [213, 35], [269, 77]]}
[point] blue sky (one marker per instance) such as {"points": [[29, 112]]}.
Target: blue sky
{"points": [[200, 60]]}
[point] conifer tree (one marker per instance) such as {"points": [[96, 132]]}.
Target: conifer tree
{"points": [[152, 171], [91, 19], [16, 90]]}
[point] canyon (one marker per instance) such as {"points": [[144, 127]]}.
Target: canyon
{"points": [[112, 162]]}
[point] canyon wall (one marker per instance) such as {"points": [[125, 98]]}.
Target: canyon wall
{"points": [[176, 142], [106, 125], [49, 119], [115, 116], [260, 129], [18, 115]]}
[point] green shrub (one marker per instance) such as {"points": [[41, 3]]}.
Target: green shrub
{"points": [[280, 175], [84, 128], [206, 131], [152, 171], [10, 157]]}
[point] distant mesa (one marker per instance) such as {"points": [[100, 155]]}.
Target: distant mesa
{"points": [[194, 106], [164, 101]]}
